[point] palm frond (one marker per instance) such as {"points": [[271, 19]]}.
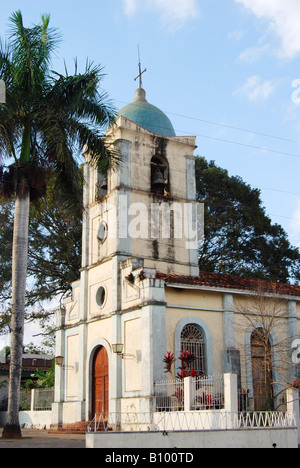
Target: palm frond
{"points": [[74, 116], [31, 50], [6, 69], [62, 114], [10, 133], [101, 153], [79, 94]]}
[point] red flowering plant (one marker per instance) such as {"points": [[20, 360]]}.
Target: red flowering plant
{"points": [[186, 369], [193, 373], [186, 358], [179, 394], [296, 383], [169, 359], [208, 401], [182, 374], [187, 373]]}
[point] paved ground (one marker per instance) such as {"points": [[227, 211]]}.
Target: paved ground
{"points": [[42, 439]]}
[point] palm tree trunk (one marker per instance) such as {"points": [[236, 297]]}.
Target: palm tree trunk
{"points": [[19, 272]]}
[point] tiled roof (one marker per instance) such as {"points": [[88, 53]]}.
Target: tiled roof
{"points": [[215, 280], [5, 367]]}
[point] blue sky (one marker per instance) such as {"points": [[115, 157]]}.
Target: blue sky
{"points": [[222, 70]]}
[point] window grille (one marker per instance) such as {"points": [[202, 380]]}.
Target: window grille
{"points": [[192, 339]]}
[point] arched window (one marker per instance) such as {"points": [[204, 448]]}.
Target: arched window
{"points": [[261, 360], [101, 186], [192, 339], [160, 184]]}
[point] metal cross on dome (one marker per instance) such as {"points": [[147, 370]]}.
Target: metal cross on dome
{"points": [[140, 70]]}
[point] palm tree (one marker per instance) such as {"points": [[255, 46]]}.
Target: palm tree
{"points": [[46, 119]]}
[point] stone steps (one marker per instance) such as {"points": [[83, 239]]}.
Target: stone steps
{"points": [[76, 428]]}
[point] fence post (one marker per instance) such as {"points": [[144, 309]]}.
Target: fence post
{"points": [[32, 400], [230, 399], [292, 400], [188, 393], [230, 393]]}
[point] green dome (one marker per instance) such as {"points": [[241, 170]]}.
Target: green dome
{"points": [[147, 116]]}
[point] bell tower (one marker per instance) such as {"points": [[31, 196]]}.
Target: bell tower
{"points": [[139, 220], [146, 209]]}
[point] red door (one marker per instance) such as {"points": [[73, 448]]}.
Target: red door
{"points": [[100, 382]]}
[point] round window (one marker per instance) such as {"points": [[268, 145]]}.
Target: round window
{"points": [[101, 296], [102, 232]]}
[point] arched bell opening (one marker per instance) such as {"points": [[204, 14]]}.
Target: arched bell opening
{"points": [[160, 183]]}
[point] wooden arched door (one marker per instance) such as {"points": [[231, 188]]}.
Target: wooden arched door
{"points": [[100, 382], [261, 360]]}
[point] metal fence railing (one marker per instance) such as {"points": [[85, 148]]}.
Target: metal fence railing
{"points": [[193, 421], [25, 400], [169, 395], [39, 399], [259, 401], [43, 399], [207, 394]]}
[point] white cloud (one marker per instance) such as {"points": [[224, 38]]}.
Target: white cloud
{"points": [[130, 7], [174, 13], [237, 34], [251, 54], [255, 89], [283, 17]]}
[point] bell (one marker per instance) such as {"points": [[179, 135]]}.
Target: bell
{"points": [[158, 180], [104, 184]]}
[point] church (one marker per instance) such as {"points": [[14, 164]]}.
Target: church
{"points": [[140, 293]]}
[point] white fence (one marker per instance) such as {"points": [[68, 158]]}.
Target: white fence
{"points": [[37, 399], [222, 420], [208, 393], [35, 409], [169, 395], [190, 421], [202, 392], [201, 404]]}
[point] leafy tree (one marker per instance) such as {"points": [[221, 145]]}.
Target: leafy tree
{"points": [[54, 257], [46, 118], [233, 209], [239, 238], [54, 254], [270, 377], [42, 379]]}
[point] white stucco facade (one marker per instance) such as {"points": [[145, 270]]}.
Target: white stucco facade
{"points": [[138, 287]]}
